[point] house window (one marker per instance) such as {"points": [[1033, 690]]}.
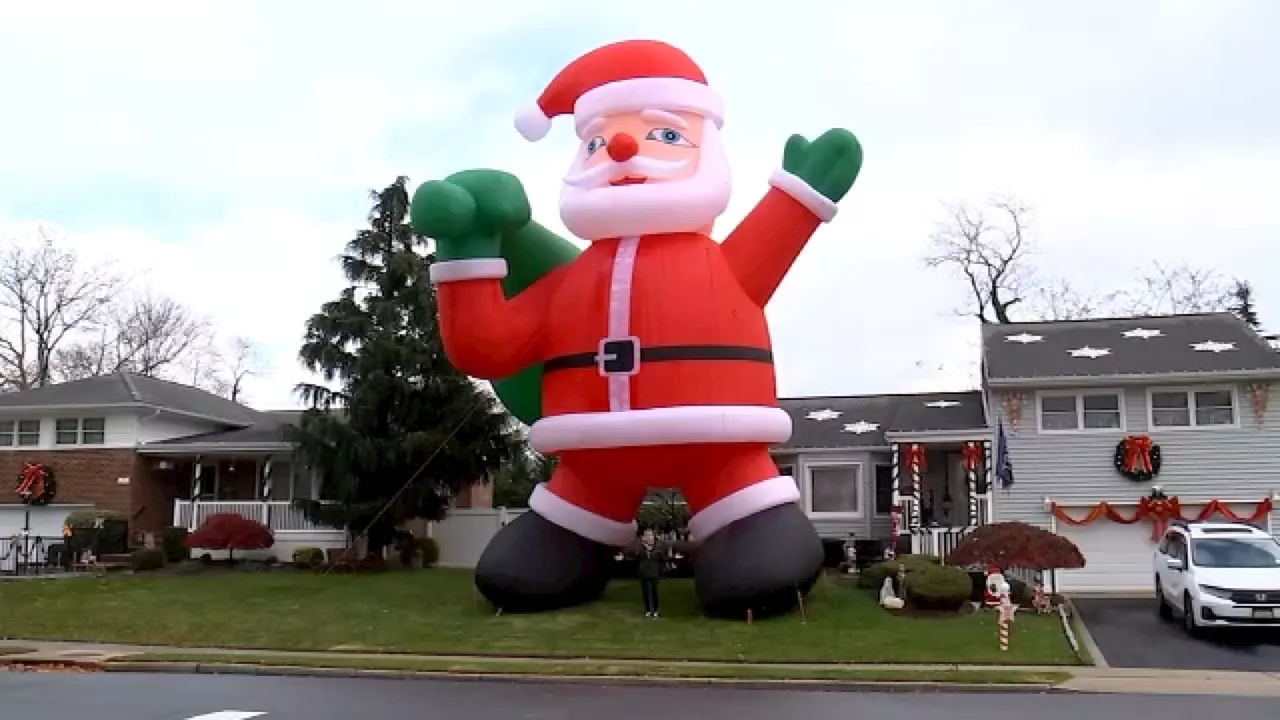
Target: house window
{"points": [[789, 471], [28, 433], [7, 429], [835, 489], [1084, 411], [79, 431], [1193, 408], [884, 489]]}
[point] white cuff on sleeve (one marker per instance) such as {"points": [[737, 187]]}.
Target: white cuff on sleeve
{"points": [[800, 191], [473, 269]]}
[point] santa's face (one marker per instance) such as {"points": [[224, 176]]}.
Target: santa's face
{"points": [[644, 173]]}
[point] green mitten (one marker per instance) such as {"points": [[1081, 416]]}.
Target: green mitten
{"points": [[829, 164], [468, 212]]}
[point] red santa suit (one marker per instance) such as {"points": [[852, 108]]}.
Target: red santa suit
{"points": [[658, 369]]}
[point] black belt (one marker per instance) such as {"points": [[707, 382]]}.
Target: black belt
{"points": [[620, 356]]}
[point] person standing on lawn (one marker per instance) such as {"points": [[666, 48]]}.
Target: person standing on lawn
{"points": [[652, 558]]}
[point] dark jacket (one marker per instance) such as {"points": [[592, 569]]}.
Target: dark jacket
{"points": [[652, 561]]}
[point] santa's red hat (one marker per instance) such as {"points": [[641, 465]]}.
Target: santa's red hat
{"points": [[624, 76]]}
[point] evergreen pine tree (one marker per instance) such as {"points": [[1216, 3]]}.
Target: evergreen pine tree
{"points": [[1241, 303], [392, 403]]}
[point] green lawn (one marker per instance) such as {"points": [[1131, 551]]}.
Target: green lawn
{"points": [[737, 671], [437, 612]]}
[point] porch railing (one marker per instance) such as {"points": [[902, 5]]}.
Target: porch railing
{"points": [[280, 516], [939, 541]]}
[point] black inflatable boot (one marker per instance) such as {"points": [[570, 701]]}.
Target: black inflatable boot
{"points": [[534, 565], [762, 563]]}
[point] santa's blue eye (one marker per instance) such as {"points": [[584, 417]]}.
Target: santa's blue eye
{"points": [[596, 144], [668, 136]]}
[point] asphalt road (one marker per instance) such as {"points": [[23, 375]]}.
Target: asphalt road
{"points": [[120, 696], [1130, 635]]}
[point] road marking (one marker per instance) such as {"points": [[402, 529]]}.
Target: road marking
{"points": [[228, 715]]}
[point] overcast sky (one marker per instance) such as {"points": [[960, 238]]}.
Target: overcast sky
{"points": [[224, 150]]}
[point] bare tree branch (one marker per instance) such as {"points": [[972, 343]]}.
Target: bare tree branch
{"points": [[46, 296], [147, 334], [238, 363], [990, 248], [1176, 290], [1059, 299]]}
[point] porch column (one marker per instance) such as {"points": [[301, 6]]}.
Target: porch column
{"points": [[195, 492], [895, 510], [987, 470], [915, 455], [972, 456]]}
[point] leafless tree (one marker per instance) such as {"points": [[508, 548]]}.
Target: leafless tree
{"points": [[225, 371], [47, 296], [1179, 289], [147, 334], [990, 248]]}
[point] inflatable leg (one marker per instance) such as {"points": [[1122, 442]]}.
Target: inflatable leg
{"points": [[757, 552], [530, 254], [560, 553]]}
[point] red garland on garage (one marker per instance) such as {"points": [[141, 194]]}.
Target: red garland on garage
{"points": [[1160, 510]]}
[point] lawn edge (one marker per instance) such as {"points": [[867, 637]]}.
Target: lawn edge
{"points": [[195, 668]]}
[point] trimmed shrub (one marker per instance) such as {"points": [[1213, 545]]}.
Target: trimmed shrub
{"points": [[938, 587], [173, 540], [1016, 545], [231, 532], [873, 576], [146, 560], [89, 518], [428, 550], [307, 558]]}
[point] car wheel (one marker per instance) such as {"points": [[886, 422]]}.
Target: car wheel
{"points": [[1162, 605], [1189, 616]]}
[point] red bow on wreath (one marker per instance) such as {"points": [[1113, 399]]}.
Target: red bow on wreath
{"points": [[1137, 454], [915, 458], [32, 480], [972, 455]]}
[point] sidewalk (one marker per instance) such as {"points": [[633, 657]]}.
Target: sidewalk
{"points": [[1083, 678]]}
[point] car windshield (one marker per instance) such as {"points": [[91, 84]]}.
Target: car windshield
{"points": [[1236, 553]]}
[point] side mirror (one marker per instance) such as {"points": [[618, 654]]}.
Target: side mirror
{"points": [[1174, 564]]}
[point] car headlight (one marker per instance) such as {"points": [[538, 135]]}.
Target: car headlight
{"points": [[1216, 592]]}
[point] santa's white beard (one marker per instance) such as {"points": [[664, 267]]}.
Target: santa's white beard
{"points": [[595, 213]]}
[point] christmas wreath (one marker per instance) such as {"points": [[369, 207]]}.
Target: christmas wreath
{"points": [[36, 485], [1137, 458]]}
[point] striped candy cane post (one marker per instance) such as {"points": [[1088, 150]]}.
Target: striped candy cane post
{"points": [[895, 512], [1004, 634], [914, 459]]}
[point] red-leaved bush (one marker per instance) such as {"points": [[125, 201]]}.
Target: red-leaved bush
{"points": [[1016, 545], [231, 532]]}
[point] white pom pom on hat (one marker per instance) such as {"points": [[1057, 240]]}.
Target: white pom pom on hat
{"points": [[532, 123], [628, 75]]}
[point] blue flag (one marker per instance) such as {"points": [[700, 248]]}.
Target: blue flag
{"points": [[1004, 466]]}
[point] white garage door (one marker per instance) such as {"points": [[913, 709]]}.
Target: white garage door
{"points": [[46, 521], [1117, 558]]}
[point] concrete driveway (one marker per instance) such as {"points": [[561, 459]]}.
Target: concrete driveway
{"points": [[1130, 635]]}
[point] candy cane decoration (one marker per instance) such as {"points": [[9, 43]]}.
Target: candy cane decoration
{"points": [[895, 512], [972, 456], [915, 458], [1007, 611]]}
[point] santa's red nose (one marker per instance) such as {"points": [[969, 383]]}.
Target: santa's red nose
{"points": [[622, 147]]}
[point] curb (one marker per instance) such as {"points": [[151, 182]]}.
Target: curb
{"points": [[192, 668]]}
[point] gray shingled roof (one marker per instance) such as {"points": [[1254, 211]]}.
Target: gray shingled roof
{"points": [[131, 389], [814, 427], [1213, 343]]}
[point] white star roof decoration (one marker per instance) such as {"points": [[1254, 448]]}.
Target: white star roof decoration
{"points": [[1142, 333], [824, 414], [1024, 337], [1092, 353], [1213, 346], [942, 404], [861, 427]]}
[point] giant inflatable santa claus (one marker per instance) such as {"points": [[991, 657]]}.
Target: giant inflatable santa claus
{"points": [[644, 360]]}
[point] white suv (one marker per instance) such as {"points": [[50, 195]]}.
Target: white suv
{"points": [[1218, 574]]}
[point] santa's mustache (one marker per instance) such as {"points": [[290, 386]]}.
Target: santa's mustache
{"points": [[638, 165]]}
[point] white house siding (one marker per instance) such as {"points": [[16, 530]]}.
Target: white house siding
{"points": [[153, 427], [118, 428], [1076, 469]]}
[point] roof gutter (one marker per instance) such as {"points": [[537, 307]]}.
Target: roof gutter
{"points": [[972, 435], [123, 406], [214, 448], [1134, 379], [827, 450]]}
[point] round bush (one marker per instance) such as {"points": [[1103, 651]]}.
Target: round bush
{"points": [[938, 587], [308, 557], [873, 577], [174, 542], [428, 550], [146, 559]]}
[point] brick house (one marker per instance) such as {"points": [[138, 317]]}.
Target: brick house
{"points": [[159, 453]]}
